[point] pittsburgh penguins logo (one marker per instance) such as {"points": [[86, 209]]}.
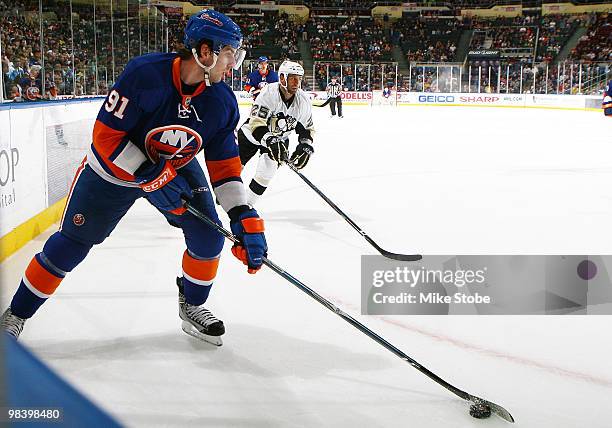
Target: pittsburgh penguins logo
{"points": [[279, 123]]}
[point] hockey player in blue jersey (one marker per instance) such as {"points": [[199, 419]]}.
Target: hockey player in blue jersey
{"points": [[607, 100], [162, 111], [387, 91], [260, 77]]}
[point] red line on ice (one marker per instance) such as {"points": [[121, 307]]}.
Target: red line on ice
{"points": [[492, 353]]}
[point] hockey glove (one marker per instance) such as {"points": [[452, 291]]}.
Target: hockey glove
{"points": [[277, 150], [249, 229], [253, 92], [165, 189], [302, 153]]}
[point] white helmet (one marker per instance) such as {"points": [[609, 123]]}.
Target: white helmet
{"points": [[290, 67]]}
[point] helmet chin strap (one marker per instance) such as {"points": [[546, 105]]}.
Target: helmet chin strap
{"points": [[286, 82], [206, 68]]}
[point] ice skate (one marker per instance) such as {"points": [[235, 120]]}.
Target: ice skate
{"points": [[12, 324], [198, 321]]}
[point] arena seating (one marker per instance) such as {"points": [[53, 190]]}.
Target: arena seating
{"points": [[355, 39], [428, 40], [555, 31], [596, 44]]}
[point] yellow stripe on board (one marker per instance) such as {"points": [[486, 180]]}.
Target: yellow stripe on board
{"points": [[25, 232]]}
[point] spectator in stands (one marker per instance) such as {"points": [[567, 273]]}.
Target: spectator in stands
{"points": [[5, 66], [30, 84], [596, 44], [50, 90], [357, 39], [555, 31], [15, 93]]}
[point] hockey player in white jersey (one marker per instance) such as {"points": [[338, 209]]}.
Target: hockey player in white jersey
{"points": [[280, 109]]}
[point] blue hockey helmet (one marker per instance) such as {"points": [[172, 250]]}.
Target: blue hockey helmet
{"points": [[262, 59], [211, 25]]}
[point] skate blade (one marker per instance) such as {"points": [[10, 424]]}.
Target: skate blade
{"points": [[193, 332]]}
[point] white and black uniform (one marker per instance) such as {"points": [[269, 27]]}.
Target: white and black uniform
{"points": [[333, 93], [268, 104]]}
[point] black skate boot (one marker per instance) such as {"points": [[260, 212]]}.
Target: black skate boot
{"points": [[198, 321], [12, 324]]}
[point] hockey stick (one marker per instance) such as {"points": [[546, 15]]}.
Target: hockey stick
{"points": [[497, 409], [388, 254], [327, 101]]}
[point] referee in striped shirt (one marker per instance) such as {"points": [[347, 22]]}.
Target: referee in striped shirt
{"points": [[333, 93]]}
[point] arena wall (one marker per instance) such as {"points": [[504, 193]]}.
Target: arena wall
{"points": [[551, 101], [41, 146]]}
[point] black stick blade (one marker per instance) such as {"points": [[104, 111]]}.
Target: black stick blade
{"points": [[402, 257], [495, 408], [390, 255]]}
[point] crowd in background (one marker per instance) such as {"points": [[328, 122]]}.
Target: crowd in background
{"points": [[507, 39], [349, 39], [103, 46], [79, 55], [428, 39], [596, 44], [355, 76], [502, 77]]}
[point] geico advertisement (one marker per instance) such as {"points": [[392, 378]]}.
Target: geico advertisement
{"points": [[463, 98]]}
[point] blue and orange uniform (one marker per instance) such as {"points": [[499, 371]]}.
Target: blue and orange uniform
{"points": [[149, 118], [146, 136], [607, 100], [148, 131], [257, 79]]}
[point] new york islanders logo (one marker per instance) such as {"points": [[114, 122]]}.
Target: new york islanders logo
{"points": [[32, 92], [179, 144], [78, 219], [211, 19]]}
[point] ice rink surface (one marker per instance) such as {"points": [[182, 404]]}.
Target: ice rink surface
{"points": [[417, 179]]}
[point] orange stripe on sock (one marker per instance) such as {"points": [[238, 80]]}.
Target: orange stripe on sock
{"points": [[203, 270], [222, 169], [40, 278]]}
